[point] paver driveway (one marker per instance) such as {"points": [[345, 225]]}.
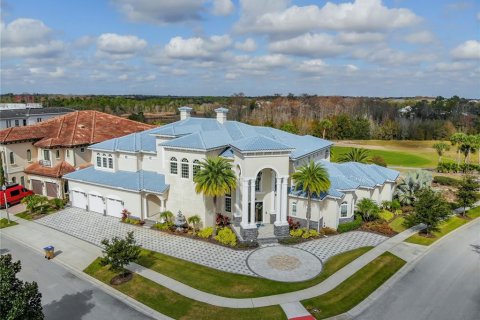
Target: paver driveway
{"points": [[93, 227]]}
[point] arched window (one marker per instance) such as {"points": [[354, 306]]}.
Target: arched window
{"points": [[173, 165], [185, 168], [14, 180], [258, 182], [196, 167], [12, 158], [110, 161], [104, 160], [99, 160], [344, 210], [29, 155]]}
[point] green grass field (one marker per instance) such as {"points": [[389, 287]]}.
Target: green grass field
{"points": [[356, 288], [445, 228], [397, 224], [236, 285], [4, 223]]}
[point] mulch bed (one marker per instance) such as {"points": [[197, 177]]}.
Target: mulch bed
{"points": [[121, 278]]}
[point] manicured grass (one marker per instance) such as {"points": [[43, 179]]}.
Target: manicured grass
{"points": [[4, 223], [235, 285], [445, 228], [397, 224], [393, 158], [386, 215], [24, 215], [356, 288], [175, 305]]}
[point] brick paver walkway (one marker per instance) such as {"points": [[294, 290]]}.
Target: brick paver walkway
{"points": [[93, 227]]}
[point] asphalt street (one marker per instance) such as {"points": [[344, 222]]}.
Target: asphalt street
{"points": [[444, 285], [64, 295]]}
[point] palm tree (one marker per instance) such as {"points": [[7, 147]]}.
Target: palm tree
{"points": [[215, 179], [325, 125], [311, 178], [456, 140], [441, 147], [195, 221], [468, 146], [355, 155]]}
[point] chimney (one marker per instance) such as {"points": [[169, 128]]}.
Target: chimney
{"points": [[184, 112], [221, 114]]}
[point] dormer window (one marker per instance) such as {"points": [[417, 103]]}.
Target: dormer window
{"points": [[173, 165], [105, 160], [110, 161]]}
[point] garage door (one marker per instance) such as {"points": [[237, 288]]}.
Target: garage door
{"points": [[37, 187], [52, 189], [95, 203], [114, 207], [79, 200]]}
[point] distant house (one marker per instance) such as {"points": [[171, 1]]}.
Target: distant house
{"points": [[21, 114], [152, 171], [38, 155]]}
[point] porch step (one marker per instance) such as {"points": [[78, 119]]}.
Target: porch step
{"points": [[267, 240]]}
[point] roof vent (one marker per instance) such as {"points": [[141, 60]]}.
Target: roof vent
{"points": [[184, 112], [221, 114]]}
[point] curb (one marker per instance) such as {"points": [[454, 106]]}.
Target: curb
{"points": [[368, 301], [146, 310]]}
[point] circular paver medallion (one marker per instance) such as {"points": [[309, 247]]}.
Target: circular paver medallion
{"points": [[284, 264]]}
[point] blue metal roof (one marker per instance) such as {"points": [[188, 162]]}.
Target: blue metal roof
{"points": [[134, 181], [208, 133], [227, 153]]}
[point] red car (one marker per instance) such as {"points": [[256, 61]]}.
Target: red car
{"points": [[15, 193]]}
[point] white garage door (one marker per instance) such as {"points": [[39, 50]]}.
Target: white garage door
{"points": [[114, 207], [79, 200], [95, 203]]}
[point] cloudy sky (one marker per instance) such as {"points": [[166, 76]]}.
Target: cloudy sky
{"points": [[221, 47]]}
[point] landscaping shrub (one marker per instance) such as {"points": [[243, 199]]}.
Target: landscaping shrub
{"points": [[446, 181], [386, 215], [56, 204], [368, 209], [195, 221], [309, 234], [349, 226], [134, 221], [221, 220], [379, 227], [163, 226], [205, 233], [36, 204], [227, 237], [447, 167], [166, 216], [292, 224], [328, 231], [378, 160], [296, 233]]}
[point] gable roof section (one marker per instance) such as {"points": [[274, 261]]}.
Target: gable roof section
{"points": [[133, 181], [259, 143], [73, 129]]}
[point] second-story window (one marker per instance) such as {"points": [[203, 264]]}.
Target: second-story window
{"points": [[104, 160], [29, 155], [12, 158], [228, 203], [57, 154], [46, 155], [24, 122], [99, 160], [39, 119], [110, 161], [185, 169], [9, 123], [173, 165], [17, 123], [196, 167]]}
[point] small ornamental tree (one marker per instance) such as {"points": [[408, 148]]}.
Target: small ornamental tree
{"points": [[18, 299], [118, 253], [368, 209], [467, 193], [430, 209]]}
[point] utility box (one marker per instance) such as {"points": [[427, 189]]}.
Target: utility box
{"points": [[49, 252]]}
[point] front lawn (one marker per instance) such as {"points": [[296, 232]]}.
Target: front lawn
{"points": [[445, 228], [4, 223], [397, 224], [175, 305], [233, 285], [355, 289], [24, 215]]}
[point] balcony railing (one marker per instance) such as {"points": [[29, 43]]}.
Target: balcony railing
{"points": [[45, 163]]}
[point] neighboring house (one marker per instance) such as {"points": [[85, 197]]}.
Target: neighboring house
{"points": [[152, 171], [20, 114], [37, 156]]}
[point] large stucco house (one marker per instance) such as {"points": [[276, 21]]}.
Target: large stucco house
{"points": [[38, 155], [152, 171], [24, 114]]}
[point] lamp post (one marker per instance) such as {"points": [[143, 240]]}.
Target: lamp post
{"points": [[4, 189]]}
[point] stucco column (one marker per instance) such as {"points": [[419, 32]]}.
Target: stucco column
{"points": [[145, 212], [272, 203], [237, 199], [244, 222], [278, 209], [284, 199], [252, 201]]}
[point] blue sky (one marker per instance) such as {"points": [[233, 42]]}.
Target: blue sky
{"points": [[221, 47]]}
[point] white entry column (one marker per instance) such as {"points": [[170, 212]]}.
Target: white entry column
{"points": [[284, 199], [245, 183], [278, 210], [237, 199], [252, 201]]}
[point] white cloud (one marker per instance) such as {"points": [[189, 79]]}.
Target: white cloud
{"points": [[28, 38], [312, 66], [160, 12], [123, 77], [197, 48], [360, 37], [315, 45], [248, 45], [360, 16], [452, 66], [468, 50], [260, 64], [421, 37], [120, 45], [231, 76], [222, 7]]}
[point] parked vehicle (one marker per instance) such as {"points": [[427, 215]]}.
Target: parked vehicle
{"points": [[15, 193]]}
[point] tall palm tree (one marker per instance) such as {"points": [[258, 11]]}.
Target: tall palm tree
{"points": [[441, 147], [325, 125], [215, 179], [456, 139], [355, 155], [311, 178]]}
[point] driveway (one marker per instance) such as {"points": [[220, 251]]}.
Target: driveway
{"points": [[93, 227]]}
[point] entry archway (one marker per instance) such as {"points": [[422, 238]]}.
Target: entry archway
{"points": [[153, 205]]}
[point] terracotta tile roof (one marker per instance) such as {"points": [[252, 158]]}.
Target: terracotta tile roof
{"points": [[73, 129], [57, 171]]}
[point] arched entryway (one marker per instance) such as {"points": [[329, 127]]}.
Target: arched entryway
{"points": [[153, 205]]}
